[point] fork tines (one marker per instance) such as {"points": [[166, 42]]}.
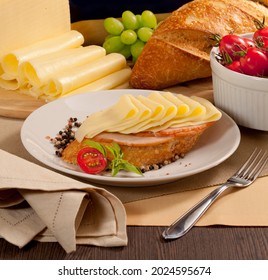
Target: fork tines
{"points": [[254, 165]]}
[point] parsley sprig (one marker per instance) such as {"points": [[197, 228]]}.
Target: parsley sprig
{"points": [[117, 163]]}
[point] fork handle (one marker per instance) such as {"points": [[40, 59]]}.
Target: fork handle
{"points": [[182, 225]]}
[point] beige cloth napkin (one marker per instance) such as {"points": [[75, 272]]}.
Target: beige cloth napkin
{"points": [[37, 203]]}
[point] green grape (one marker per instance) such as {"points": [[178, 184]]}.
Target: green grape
{"points": [[148, 19], [113, 44], [139, 21], [129, 20], [134, 59], [126, 51], [113, 26], [137, 48], [144, 33], [128, 37], [108, 37]]}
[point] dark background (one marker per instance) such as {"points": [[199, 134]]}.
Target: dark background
{"points": [[100, 9]]}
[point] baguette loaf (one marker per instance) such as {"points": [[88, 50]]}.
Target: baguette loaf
{"points": [[264, 2], [178, 51]]}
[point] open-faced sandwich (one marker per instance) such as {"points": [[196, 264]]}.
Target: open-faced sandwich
{"points": [[141, 132]]}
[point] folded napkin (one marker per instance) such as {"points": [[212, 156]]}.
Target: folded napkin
{"points": [[37, 203]]}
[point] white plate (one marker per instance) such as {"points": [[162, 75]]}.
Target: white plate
{"points": [[214, 146]]}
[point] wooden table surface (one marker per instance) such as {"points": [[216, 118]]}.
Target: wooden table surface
{"points": [[145, 243]]}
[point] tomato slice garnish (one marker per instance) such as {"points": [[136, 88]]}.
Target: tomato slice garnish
{"points": [[91, 160]]}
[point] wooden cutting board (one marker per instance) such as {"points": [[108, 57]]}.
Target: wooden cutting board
{"points": [[17, 105]]}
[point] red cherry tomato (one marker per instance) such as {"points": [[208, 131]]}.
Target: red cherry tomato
{"points": [[235, 66], [260, 37], [249, 42], [232, 45], [254, 63], [91, 160]]}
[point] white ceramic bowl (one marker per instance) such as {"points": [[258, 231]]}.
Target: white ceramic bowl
{"points": [[242, 97]]}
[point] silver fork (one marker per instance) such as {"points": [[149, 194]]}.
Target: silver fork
{"points": [[244, 177]]}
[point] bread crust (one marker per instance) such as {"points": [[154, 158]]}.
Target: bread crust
{"points": [[178, 51]]}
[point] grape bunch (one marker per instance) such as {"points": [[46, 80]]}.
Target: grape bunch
{"points": [[129, 35]]}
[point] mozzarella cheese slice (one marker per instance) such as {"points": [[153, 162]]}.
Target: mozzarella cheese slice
{"points": [[118, 78], [153, 113], [77, 77], [195, 114], [212, 113], [123, 85], [39, 70], [157, 114], [143, 113], [10, 61], [122, 111], [170, 108], [8, 82]]}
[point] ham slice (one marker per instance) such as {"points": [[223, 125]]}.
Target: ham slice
{"points": [[148, 138], [130, 139]]}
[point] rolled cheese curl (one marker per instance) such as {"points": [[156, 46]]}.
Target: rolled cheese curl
{"points": [[10, 61], [77, 77], [123, 85], [37, 71], [1, 70], [110, 81], [8, 82]]}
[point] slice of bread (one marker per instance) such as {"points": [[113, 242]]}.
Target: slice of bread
{"points": [[146, 149]]}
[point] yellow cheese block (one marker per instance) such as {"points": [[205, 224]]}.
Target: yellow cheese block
{"points": [[24, 22]]}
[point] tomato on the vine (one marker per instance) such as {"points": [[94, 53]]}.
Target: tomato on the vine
{"points": [[91, 160], [235, 66], [232, 45], [260, 36], [254, 63], [249, 42]]}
